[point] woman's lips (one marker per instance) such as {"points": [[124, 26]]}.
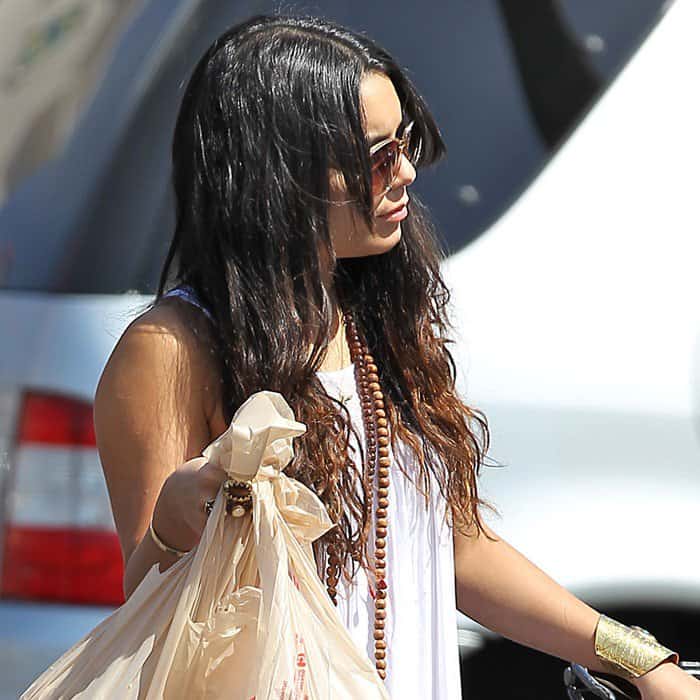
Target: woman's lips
{"points": [[398, 213]]}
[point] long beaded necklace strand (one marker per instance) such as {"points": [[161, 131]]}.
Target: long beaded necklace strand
{"points": [[377, 463]]}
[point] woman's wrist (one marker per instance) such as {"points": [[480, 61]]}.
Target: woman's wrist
{"points": [[168, 526], [655, 675], [146, 555], [164, 546]]}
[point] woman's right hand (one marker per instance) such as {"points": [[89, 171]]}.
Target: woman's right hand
{"points": [[179, 516]]}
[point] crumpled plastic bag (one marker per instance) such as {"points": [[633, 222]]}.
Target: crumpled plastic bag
{"points": [[242, 616]]}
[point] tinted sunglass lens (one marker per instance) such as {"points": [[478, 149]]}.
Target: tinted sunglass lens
{"points": [[383, 166]]}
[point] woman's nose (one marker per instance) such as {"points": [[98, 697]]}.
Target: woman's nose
{"points": [[406, 173]]}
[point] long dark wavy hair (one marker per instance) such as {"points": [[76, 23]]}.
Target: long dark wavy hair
{"points": [[272, 105]]}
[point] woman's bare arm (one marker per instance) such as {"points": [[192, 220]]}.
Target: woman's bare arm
{"points": [[504, 591], [500, 588], [150, 418]]}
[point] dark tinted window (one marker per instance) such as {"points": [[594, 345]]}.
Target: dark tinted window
{"points": [[507, 81]]}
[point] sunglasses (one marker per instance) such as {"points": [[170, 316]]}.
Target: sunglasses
{"points": [[385, 160]]}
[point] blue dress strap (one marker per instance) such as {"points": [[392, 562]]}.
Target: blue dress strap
{"points": [[186, 293]]}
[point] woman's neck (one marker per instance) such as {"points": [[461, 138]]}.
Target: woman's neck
{"points": [[338, 352]]}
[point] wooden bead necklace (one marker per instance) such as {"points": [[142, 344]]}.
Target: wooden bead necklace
{"points": [[377, 463]]}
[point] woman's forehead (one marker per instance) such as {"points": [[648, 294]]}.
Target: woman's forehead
{"points": [[381, 106]]}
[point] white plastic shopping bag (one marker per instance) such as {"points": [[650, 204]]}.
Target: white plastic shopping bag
{"points": [[244, 615]]}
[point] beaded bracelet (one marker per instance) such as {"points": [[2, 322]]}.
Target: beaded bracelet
{"points": [[162, 546]]}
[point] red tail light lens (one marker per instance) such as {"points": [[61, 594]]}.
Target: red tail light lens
{"points": [[59, 542], [55, 420]]}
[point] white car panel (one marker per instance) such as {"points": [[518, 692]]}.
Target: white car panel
{"points": [[579, 320]]}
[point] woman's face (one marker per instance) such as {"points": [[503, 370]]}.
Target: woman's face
{"points": [[351, 236]]}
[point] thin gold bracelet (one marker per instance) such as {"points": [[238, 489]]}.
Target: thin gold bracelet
{"points": [[162, 546]]}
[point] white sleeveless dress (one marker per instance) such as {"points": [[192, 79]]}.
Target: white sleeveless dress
{"points": [[421, 622]]}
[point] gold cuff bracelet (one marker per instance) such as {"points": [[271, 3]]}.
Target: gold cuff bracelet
{"points": [[629, 652]]}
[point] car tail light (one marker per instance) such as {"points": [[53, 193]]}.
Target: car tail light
{"points": [[59, 542]]}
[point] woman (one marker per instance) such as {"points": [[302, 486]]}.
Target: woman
{"points": [[298, 266]]}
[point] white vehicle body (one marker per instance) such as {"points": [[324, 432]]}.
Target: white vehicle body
{"points": [[578, 326], [579, 322]]}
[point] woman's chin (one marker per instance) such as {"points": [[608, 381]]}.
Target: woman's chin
{"points": [[382, 239], [385, 237], [385, 229]]}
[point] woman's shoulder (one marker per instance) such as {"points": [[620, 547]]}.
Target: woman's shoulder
{"points": [[165, 351], [187, 294], [171, 329]]}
